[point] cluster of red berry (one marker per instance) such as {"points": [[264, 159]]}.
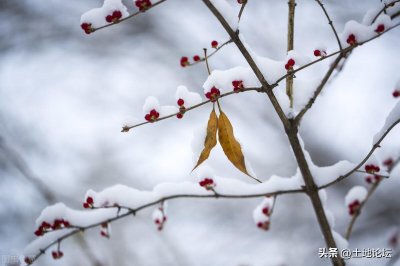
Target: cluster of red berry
{"points": [[152, 116], [182, 108], [380, 28], [87, 27], [143, 5], [290, 63], [264, 225], [354, 207], [57, 254], [207, 183], [89, 203], [372, 179], [46, 227], [237, 85], [114, 17], [371, 168], [213, 94], [351, 39]]}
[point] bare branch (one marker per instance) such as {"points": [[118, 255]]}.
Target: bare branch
{"points": [[330, 23], [265, 85], [241, 10], [134, 211], [129, 17], [358, 166], [127, 128], [386, 6], [203, 59]]}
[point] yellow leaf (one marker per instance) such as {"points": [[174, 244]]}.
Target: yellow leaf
{"points": [[211, 138], [229, 144]]}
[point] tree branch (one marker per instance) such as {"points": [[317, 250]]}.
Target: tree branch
{"points": [[127, 128], [386, 6], [265, 85], [358, 166], [131, 211], [128, 17]]}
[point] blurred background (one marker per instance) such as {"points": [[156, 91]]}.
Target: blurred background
{"points": [[65, 95]]}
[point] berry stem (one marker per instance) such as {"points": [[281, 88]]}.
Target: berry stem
{"points": [[206, 59]]}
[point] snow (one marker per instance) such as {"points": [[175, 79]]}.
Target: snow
{"points": [[393, 116], [299, 58], [360, 31], [340, 241], [150, 104], [96, 16], [190, 98], [355, 193], [227, 12], [168, 110], [197, 143], [222, 79]]}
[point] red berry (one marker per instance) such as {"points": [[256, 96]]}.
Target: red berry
{"points": [[291, 62], [396, 94], [380, 28], [351, 39], [39, 232], [179, 116], [214, 44], [89, 200], [265, 210], [153, 112], [259, 224], [28, 260], [157, 221], [287, 66], [102, 233], [54, 254], [388, 162], [87, 27], [317, 52], [196, 58], [117, 14], [237, 85], [109, 18], [143, 5], [180, 102], [184, 61], [147, 117]]}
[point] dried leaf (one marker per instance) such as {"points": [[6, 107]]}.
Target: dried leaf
{"points": [[211, 138], [229, 144]]}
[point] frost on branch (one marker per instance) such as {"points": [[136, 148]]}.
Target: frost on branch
{"points": [[354, 199], [111, 11], [355, 32], [392, 118], [153, 111]]}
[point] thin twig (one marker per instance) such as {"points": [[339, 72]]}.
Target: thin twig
{"points": [[330, 22], [144, 206], [358, 166], [241, 10], [365, 172], [206, 59], [357, 214], [265, 85], [290, 46], [386, 6], [211, 54], [127, 128], [318, 90], [128, 17]]}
